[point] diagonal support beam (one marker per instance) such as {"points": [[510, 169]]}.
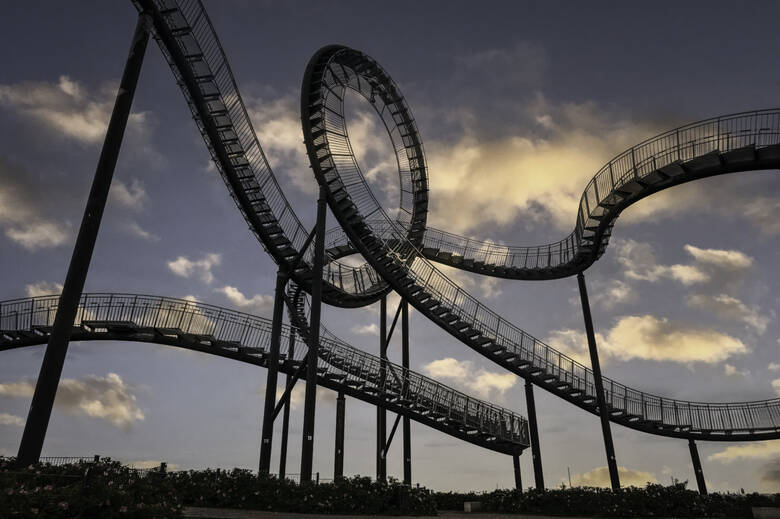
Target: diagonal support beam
{"points": [[57, 348], [392, 433], [597, 382], [285, 398], [395, 320]]}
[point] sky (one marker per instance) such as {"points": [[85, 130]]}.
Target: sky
{"points": [[518, 104]]}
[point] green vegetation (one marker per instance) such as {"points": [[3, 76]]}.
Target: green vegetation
{"points": [[651, 501]]}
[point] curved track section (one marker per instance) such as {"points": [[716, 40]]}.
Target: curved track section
{"points": [[191, 47], [402, 264], [397, 248], [747, 141], [246, 338]]}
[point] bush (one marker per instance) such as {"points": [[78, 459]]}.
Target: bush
{"points": [[651, 501], [108, 489], [102, 489], [243, 489]]}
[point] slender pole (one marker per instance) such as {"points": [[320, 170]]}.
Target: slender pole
{"points": [[338, 466], [697, 467], [57, 348], [286, 415], [267, 433], [310, 403], [381, 414], [596, 367], [407, 431], [518, 478], [534, 429]]}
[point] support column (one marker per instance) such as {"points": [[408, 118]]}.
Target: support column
{"points": [[266, 436], [697, 467], [518, 478], [57, 348], [307, 449], [381, 413], [338, 466], [534, 430], [407, 431], [597, 382], [286, 412]]}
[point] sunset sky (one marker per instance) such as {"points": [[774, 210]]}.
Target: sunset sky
{"points": [[518, 104]]}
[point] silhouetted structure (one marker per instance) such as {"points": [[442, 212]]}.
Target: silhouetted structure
{"points": [[398, 251]]}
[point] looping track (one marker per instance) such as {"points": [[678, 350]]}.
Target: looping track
{"points": [[398, 250]]}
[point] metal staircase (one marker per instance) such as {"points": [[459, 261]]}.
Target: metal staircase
{"points": [[246, 338], [405, 268], [397, 249]]}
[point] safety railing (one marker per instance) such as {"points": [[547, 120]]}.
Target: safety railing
{"points": [[644, 157], [190, 26], [216, 327]]}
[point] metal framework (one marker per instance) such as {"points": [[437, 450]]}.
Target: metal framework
{"points": [[399, 251], [247, 338]]}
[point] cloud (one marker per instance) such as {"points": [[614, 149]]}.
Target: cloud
{"points": [[109, 398], [42, 288], [185, 267], [366, 329], [731, 371], [66, 107], [482, 382], [776, 386], [761, 450], [647, 337], [277, 123], [10, 419], [535, 175], [773, 366], [133, 196], [139, 232], [599, 477], [259, 304], [724, 259], [24, 213], [640, 263], [769, 476], [610, 295], [728, 307], [652, 338]]}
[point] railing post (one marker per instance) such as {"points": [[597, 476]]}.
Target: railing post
{"points": [[534, 430], [407, 430], [310, 404], [266, 436], [598, 385], [338, 464], [697, 467], [57, 348], [381, 413]]}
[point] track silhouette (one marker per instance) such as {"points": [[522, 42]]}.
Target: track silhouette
{"points": [[246, 338], [398, 249]]}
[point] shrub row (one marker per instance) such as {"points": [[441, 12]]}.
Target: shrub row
{"points": [[651, 501], [105, 489], [358, 495], [109, 489]]}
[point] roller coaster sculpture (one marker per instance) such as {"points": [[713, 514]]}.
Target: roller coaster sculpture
{"points": [[399, 253]]}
